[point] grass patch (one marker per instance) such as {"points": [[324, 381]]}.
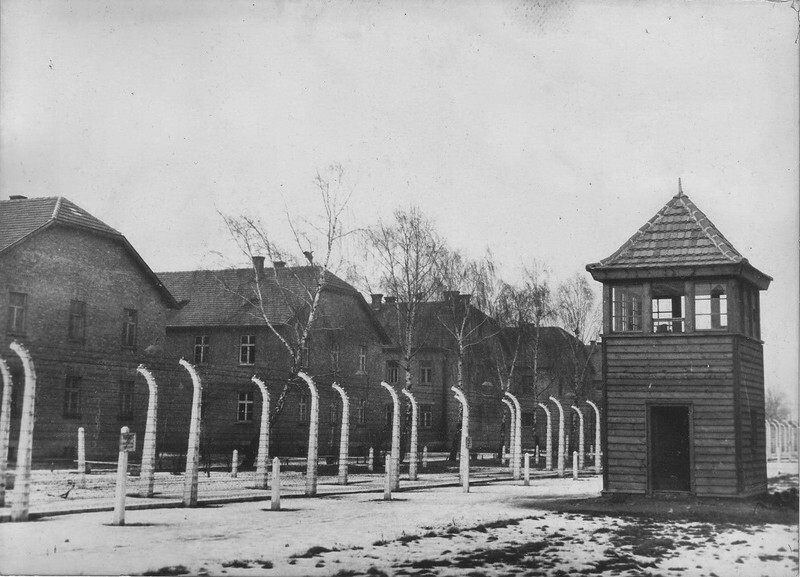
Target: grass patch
{"points": [[313, 552], [171, 570], [237, 564]]}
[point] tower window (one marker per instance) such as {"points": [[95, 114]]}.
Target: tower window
{"points": [[710, 307], [669, 304], [626, 309]]}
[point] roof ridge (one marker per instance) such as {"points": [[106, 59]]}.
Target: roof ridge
{"points": [[709, 226], [57, 207]]}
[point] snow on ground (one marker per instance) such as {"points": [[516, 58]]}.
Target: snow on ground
{"points": [[493, 529]]}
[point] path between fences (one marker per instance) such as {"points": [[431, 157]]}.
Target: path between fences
{"points": [[58, 492]]}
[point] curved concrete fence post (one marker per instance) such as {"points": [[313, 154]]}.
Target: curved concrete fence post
{"points": [[561, 447], [262, 458], [412, 452], [581, 455], [459, 394], [548, 456], [344, 436], [395, 436], [193, 450], [517, 444], [5, 426], [22, 482], [778, 451], [768, 431], [511, 428], [596, 436], [313, 437], [147, 472]]}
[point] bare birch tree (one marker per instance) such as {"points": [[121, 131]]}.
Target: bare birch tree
{"points": [[579, 315], [291, 287], [408, 253]]}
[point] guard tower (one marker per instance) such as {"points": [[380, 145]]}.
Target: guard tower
{"points": [[683, 361]]}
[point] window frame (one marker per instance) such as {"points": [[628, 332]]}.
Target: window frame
{"points": [[76, 326], [362, 358], [130, 328], [245, 407], [361, 412], [203, 348], [247, 350], [392, 372], [675, 295], [17, 313], [627, 309], [71, 408], [426, 372], [722, 317], [426, 415], [127, 393]]}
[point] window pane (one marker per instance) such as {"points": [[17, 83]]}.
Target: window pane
{"points": [[626, 309], [711, 306]]}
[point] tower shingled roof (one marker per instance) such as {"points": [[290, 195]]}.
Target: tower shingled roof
{"points": [[678, 234]]}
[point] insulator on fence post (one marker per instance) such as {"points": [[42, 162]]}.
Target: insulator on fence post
{"points": [[371, 460], [22, 482], [425, 457], [313, 437], [395, 436], [262, 459], [5, 427], [412, 452], [122, 480], [147, 472], [81, 458], [344, 435], [193, 451], [235, 464], [387, 484], [275, 500], [574, 464], [527, 469]]}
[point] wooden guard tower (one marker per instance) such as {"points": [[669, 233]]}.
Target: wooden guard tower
{"points": [[683, 361]]}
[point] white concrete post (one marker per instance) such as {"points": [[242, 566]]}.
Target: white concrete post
{"points": [[395, 436], [387, 483], [778, 451], [371, 460], [344, 435], [537, 455], [561, 447], [548, 455], [412, 453], [5, 427], [81, 458], [122, 482], [596, 437], [575, 465], [262, 458], [503, 457], [275, 500], [313, 437], [581, 455], [517, 452], [193, 450], [527, 469], [22, 483], [425, 457], [459, 394], [235, 464], [512, 427], [147, 472]]}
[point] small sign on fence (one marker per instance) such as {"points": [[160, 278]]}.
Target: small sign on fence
{"points": [[469, 442], [127, 442]]}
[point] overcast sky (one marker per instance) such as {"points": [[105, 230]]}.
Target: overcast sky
{"points": [[549, 133]]}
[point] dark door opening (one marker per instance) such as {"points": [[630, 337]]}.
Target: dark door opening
{"points": [[669, 449]]}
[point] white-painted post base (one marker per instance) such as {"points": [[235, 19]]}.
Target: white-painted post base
{"points": [[527, 469], [275, 500], [122, 482], [371, 460], [575, 465], [387, 485], [235, 464], [425, 457], [81, 458]]}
